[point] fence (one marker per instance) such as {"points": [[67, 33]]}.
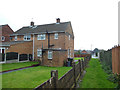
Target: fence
{"points": [[82, 55], [116, 59], [15, 57], [106, 58], [69, 79]]}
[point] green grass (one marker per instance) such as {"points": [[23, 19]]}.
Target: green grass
{"points": [[10, 66], [95, 76], [31, 77], [77, 58]]}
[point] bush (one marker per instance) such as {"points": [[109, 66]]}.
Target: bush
{"points": [[113, 78]]}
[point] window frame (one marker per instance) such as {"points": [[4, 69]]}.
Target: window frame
{"points": [[69, 37], [2, 38], [39, 52], [55, 36], [50, 54], [41, 35], [26, 37], [16, 38]]}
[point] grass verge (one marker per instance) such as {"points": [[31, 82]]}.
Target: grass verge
{"points": [[95, 76]]}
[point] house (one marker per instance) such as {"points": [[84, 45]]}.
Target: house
{"points": [[95, 53], [52, 44], [5, 32], [84, 52]]}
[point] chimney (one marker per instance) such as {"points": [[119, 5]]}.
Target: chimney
{"points": [[32, 24], [58, 20]]}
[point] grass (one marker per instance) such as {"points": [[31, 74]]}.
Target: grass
{"points": [[31, 77], [77, 58], [95, 76], [10, 66]]}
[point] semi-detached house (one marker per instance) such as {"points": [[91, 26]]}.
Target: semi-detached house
{"points": [[52, 44]]}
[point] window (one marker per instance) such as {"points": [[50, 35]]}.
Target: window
{"points": [[27, 37], [15, 38], [56, 36], [39, 52], [10, 38], [69, 53], [3, 38], [69, 37], [41, 37], [49, 54]]}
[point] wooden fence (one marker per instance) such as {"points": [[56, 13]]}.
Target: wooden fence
{"points": [[116, 59], [106, 58], [69, 79], [82, 55]]}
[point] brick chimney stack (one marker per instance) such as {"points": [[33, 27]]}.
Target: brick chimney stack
{"points": [[32, 24], [58, 20]]}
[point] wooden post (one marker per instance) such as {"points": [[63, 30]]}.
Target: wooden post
{"points": [[80, 66], [18, 58], [5, 58], [54, 74], [73, 64]]}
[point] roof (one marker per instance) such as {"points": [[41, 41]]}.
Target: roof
{"points": [[11, 43], [54, 27]]}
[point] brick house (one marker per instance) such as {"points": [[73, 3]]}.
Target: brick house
{"points": [[5, 32], [52, 44]]}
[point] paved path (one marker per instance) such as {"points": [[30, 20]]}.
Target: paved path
{"points": [[18, 69]]}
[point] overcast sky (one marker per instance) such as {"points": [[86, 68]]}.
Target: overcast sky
{"points": [[94, 22]]}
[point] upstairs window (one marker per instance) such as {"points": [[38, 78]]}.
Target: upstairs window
{"points": [[39, 52], [27, 37], [2, 38], [15, 38], [10, 38], [41, 37], [56, 36], [49, 54]]}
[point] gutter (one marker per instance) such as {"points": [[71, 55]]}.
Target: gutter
{"points": [[33, 45]]}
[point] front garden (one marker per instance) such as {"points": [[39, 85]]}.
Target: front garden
{"points": [[31, 77]]}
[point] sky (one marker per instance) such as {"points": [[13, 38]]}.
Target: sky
{"points": [[94, 22]]}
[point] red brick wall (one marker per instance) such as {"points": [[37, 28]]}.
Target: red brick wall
{"points": [[21, 48], [6, 31], [57, 60]]}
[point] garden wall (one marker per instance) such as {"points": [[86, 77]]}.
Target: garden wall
{"points": [[69, 79]]}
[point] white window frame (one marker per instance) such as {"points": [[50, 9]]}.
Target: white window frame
{"points": [[15, 38], [41, 36], [39, 52], [27, 37], [2, 38], [69, 37], [56, 36], [69, 53], [50, 54]]}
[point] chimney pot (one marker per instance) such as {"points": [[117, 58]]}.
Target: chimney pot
{"points": [[58, 20], [32, 24]]}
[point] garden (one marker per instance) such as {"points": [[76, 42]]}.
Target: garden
{"points": [[29, 78]]}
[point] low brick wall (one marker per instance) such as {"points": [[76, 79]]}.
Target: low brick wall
{"points": [[69, 79]]}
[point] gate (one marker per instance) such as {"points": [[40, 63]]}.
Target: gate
{"points": [[11, 55], [2, 57], [23, 57]]}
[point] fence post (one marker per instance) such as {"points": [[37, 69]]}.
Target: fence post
{"points": [[54, 74], [18, 58], [73, 64], [80, 66], [5, 58]]}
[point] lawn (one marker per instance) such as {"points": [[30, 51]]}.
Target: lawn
{"points": [[31, 77], [77, 58], [10, 66], [95, 76]]}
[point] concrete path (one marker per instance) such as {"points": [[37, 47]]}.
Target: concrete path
{"points": [[18, 69]]}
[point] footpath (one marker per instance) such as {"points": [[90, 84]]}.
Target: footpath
{"points": [[94, 77]]}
